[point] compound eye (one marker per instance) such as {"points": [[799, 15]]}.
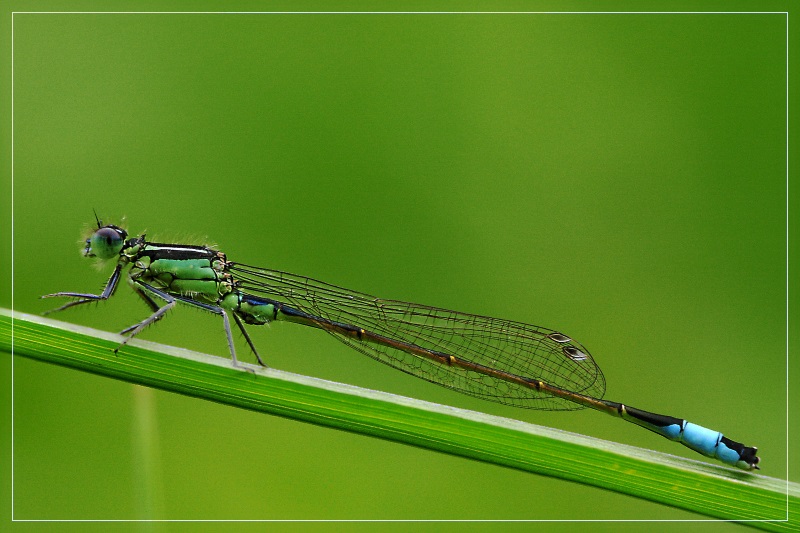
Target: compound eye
{"points": [[106, 242]]}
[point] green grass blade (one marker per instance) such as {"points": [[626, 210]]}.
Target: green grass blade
{"points": [[709, 489]]}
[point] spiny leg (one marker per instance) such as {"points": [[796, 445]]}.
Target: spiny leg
{"points": [[137, 328], [144, 296], [247, 338], [147, 299], [207, 307], [84, 298]]}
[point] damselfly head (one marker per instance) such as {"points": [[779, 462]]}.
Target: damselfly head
{"points": [[106, 242]]}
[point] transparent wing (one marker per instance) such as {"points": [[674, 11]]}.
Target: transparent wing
{"points": [[520, 349]]}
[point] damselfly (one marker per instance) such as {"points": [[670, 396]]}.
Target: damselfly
{"points": [[497, 360]]}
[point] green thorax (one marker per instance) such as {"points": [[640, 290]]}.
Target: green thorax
{"points": [[193, 271]]}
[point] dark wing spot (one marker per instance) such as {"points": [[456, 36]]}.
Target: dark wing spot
{"points": [[574, 353], [559, 337]]}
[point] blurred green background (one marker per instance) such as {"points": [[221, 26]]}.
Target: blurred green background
{"points": [[620, 178]]}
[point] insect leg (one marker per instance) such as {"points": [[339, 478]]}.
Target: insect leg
{"points": [[170, 298], [159, 312], [84, 298], [247, 338]]}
